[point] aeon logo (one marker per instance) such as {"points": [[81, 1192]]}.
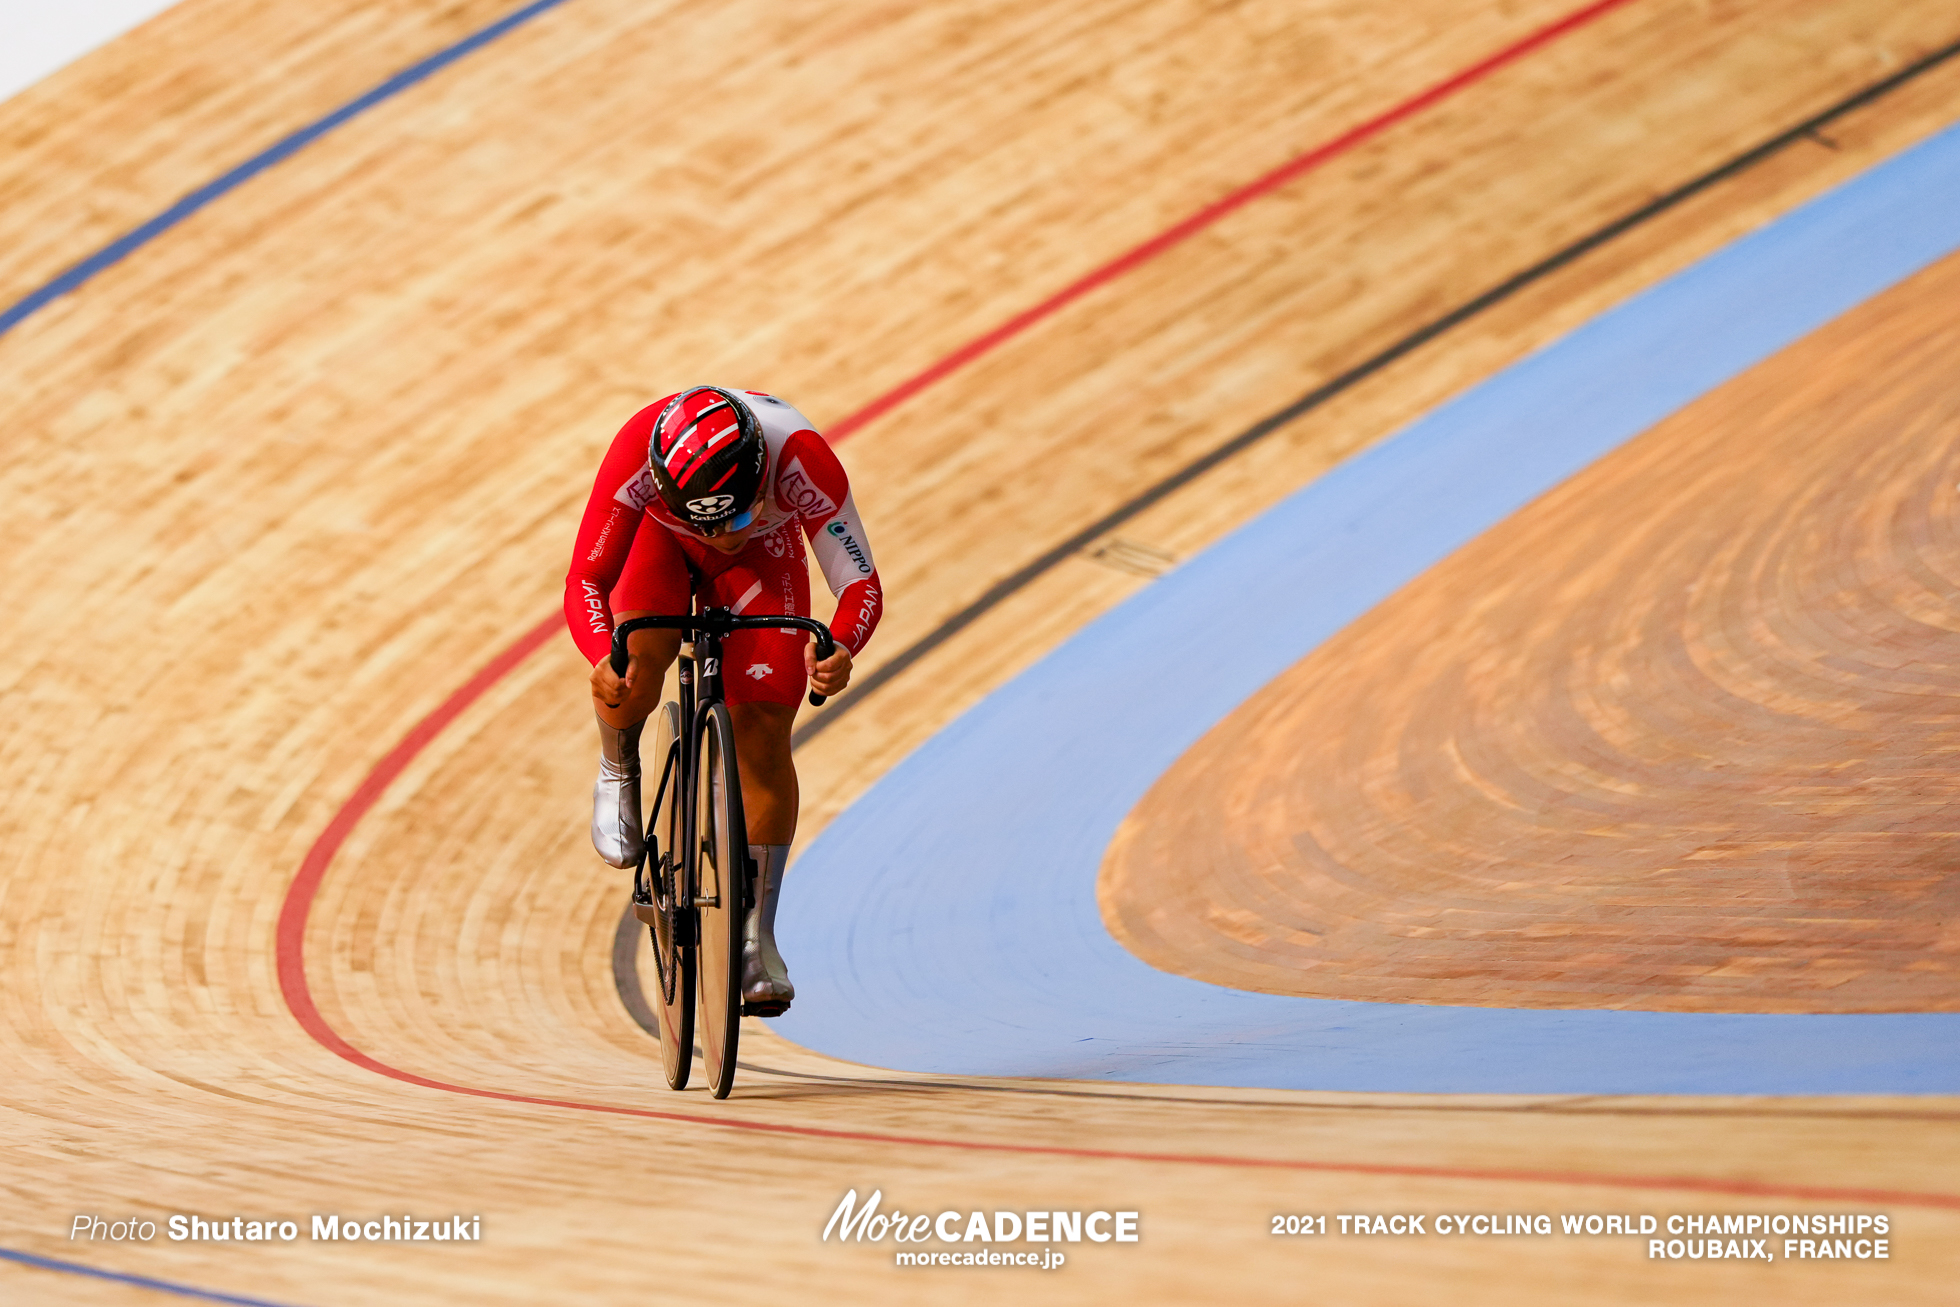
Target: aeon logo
{"points": [[637, 493], [800, 494], [710, 505]]}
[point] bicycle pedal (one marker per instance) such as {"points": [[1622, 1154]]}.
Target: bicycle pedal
{"points": [[774, 1007]]}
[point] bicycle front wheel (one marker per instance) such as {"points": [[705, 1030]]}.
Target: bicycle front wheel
{"points": [[672, 927], [722, 884]]}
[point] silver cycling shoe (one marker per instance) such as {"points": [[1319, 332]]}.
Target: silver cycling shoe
{"points": [[616, 822], [766, 991]]}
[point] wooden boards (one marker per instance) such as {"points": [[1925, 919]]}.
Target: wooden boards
{"points": [[1678, 736]]}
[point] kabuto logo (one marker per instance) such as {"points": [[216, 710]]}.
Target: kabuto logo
{"points": [[851, 547], [710, 505]]}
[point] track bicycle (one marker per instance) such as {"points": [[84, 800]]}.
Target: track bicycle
{"points": [[696, 883]]}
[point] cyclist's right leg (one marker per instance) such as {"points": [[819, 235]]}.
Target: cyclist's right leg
{"points": [[765, 683], [616, 815], [655, 580]]}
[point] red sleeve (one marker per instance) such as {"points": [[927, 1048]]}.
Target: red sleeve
{"points": [[605, 535], [812, 483], [858, 611]]}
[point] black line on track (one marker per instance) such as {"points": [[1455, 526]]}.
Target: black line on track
{"points": [[1004, 589], [1565, 1106], [626, 978], [626, 973]]}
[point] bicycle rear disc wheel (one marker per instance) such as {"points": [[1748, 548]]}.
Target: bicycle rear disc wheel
{"points": [[721, 875], [673, 956]]}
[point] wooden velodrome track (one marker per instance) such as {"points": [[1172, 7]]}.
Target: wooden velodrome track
{"points": [[288, 475], [1720, 783]]}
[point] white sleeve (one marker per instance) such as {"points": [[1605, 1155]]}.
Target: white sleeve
{"points": [[842, 549]]}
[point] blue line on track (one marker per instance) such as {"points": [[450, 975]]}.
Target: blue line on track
{"points": [[140, 1281], [123, 246], [947, 921]]}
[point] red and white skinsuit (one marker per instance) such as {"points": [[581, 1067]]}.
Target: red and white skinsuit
{"points": [[618, 567]]}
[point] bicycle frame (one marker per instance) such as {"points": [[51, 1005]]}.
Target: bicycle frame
{"points": [[699, 669], [698, 937]]}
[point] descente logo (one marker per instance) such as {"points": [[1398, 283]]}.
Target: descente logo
{"points": [[867, 1223]]}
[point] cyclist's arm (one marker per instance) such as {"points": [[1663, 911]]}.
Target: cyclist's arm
{"points": [[838, 539], [605, 536]]}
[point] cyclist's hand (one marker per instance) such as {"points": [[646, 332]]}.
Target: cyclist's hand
{"points": [[830, 676], [608, 688]]}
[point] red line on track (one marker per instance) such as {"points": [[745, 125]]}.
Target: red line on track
{"points": [[290, 937], [1291, 170]]}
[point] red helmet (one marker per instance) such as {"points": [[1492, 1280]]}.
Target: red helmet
{"points": [[707, 454]]}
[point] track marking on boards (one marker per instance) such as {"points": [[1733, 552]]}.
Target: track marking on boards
{"points": [[140, 1281], [626, 978], [128, 243], [1291, 170], [316, 1026], [998, 924], [1012, 584], [1570, 1105]]}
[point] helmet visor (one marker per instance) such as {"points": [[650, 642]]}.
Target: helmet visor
{"points": [[741, 521]]}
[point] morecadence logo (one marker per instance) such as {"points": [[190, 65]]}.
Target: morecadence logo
{"points": [[1009, 1237]]}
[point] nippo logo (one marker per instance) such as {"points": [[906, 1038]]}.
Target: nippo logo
{"points": [[851, 547], [710, 505]]}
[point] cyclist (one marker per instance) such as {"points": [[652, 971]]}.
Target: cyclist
{"points": [[711, 492]]}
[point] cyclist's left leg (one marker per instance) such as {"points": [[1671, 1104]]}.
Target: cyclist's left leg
{"points": [[769, 795]]}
